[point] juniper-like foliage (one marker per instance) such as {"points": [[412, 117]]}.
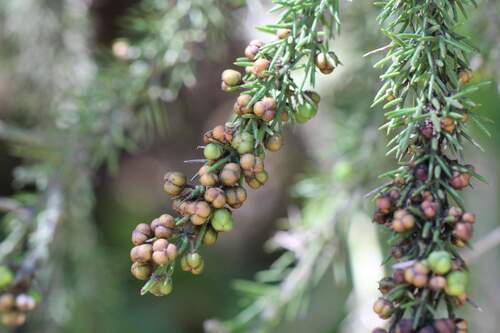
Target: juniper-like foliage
{"points": [[425, 96], [271, 95]]}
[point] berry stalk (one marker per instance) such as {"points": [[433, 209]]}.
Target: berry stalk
{"points": [[270, 96], [426, 99]]}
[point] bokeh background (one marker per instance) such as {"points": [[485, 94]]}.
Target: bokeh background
{"points": [[330, 162]]}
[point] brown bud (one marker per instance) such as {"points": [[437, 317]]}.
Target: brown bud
{"points": [[408, 221], [397, 225], [141, 271], [202, 211], [160, 244], [138, 237], [260, 67], [236, 196], [252, 49], [219, 133], [145, 229], [241, 106], [437, 283], [325, 63], [274, 142], [421, 268], [141, 253], [448, 124], [420, 280], [463, 231], [160, 257], [247, 161], [174, 183], [469, 217], [7, 302], [283, 33], [230, 174], [383, 204], [455, 212], [216, 197], [465, 76], [207, 178]]}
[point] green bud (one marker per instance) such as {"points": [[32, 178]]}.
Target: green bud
{"points": [[194, 259], [222, 220], [440, 262], [212, 151], [6, 276], [305, 112], [243, 143], [456, 283]]}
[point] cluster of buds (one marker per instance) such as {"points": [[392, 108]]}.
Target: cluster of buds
{"points": [[462, 224], [16, 300], [437, 326], [152, 248], [234, 156]]}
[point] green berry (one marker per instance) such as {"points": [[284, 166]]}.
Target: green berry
{"points": [[212, 151], [456, 283], [440, 262], [222, 220], [305, 112]]}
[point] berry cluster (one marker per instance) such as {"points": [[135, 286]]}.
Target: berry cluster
{"points": [[16, 300], [425, 95], [234, 156]]}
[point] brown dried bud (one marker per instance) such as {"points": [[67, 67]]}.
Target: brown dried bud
{"points": [[257, 180], [141, 253], [252, 49], [465, 76], [274, 142], [325, 63], [383, 204], [448, 124], [260, 67], [469, 217], [174, 183], [141, 271], [207, 178], [236, 196], [241, 106], [201, 213], [230, 174], [219, 133], [463, 231], [437, 283], [216, 197], [7, 302], [283, 33], [138, 237]]}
